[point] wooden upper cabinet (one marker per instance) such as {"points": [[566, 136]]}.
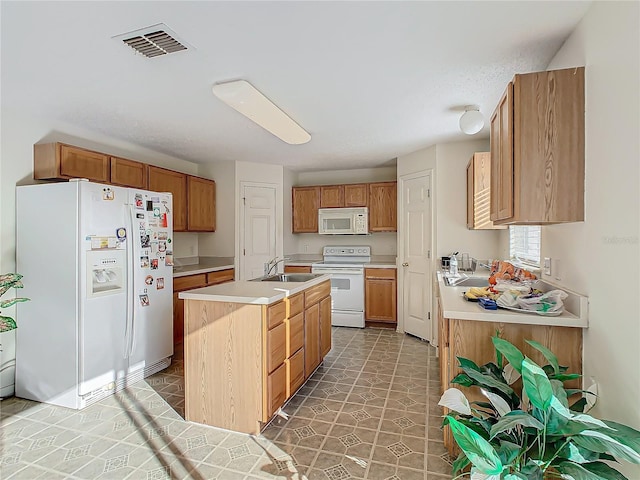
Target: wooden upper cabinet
{"points": [[356, 195], [163, 180], [537, 149], [202, 204], [305, 201], [479, 193], [128, 173], [383, 207], [332, 196], [59, 161]]}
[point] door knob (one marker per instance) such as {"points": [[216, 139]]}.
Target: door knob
{"points": [[405, 264]]}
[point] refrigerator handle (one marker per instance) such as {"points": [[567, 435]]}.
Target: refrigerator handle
{"points": [[128, 334]]}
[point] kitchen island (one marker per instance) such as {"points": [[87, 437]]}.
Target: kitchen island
{"points": [[249, 346], [465, 330]]}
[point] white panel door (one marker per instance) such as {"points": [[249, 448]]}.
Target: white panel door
{"points": [[259, 232], [415, 256]]}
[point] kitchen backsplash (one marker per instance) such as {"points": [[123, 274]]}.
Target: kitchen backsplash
{"points": [[381, 243]]}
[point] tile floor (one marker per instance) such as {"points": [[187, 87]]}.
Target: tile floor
{"points": [[369, 412]]}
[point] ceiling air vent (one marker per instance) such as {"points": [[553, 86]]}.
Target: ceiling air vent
{"points": [[153, 41]]}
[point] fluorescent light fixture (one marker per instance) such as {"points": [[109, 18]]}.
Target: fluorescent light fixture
{"points": [[471, 121], [243, 97]]}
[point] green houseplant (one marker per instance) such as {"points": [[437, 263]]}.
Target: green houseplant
{"points": [[8, 335], [543, 435], [8, 281]]}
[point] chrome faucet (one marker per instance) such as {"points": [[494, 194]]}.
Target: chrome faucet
{"points": [[273, 263]]}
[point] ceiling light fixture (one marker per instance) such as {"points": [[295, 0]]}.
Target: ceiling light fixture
{"points": [[471, 121], [243, 97]]}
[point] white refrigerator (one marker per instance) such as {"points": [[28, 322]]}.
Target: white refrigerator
{"points": [[97, 262]]}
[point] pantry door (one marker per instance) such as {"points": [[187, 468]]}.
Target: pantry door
{"points": [[258, 235], [414, 259]]}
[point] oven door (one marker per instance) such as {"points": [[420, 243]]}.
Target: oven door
{"points": [[347, 287]]}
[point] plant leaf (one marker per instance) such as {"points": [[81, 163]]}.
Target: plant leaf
{"points": [[12, 301], [589, 471], [603, 443], [510, 374], [508, 451], [489, 381], [510, 351], [578, 454], [478, 450], [548, 354], [629, 436], [559, 392], [455, 400], [497, 401], [579, 405], [7, 324], [563, 377], [512, 420], [478, 475], [465, 362], [462, 379], [515, 476], [589, 420], [460, 463], [536, 384], [556, 405]]}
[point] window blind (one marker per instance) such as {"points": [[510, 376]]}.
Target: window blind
{"points": [[524, 243]]}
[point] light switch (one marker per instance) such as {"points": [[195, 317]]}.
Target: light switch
{"points": [[547, 266]]}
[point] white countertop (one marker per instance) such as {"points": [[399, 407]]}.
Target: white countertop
{"points": [[261, 293], [455, 306], [203, 265]]}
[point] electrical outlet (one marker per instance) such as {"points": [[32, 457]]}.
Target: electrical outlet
{"points": [[306, 248], [547, 266]]}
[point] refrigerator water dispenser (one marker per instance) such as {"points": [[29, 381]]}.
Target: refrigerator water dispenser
{"points": [[106, 272]]}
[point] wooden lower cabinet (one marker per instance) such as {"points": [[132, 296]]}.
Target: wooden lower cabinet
{"points": [[472, 339], [296, 269], [380, 295], [243, 361], [311, 339], [189, 282]]}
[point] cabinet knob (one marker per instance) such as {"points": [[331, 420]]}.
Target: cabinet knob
{"points": [[405, 264]]}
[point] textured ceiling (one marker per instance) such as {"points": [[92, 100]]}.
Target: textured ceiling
{"points": [[369, 80]]}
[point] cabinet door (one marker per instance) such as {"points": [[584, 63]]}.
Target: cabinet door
{"points": [[201, 200], [311, 339], [295, 372], [306, 201], [383, 207], [80, 163], [276, 389], [163, 180], [295, 333], [332, 196], [128, 173], [470, 194], [325, 326], [356, 195], [276, 347], [380, 295], [502, 158], [479, 193]]}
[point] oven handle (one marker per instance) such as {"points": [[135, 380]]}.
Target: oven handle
{"points": [[338, 271]]}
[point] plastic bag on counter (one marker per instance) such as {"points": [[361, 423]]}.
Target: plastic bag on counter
{"points": [[549, 302], [508, 285]]}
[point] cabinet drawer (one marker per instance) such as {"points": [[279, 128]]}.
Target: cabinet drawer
{"points": [[295, 372], [295, 333], [276, 390], [296, 304], [315, 294], [276, 314], [296, 269], [386, 273], [187, 283], [220, 276], [276, 347]]}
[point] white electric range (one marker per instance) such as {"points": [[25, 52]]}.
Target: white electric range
{"points": [[345, 265]]}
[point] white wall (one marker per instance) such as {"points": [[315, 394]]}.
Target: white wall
{"points": [[21, 132], [290, 241], [600, 257], [222, 242], [311, 243]]}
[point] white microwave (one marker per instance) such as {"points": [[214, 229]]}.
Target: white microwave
{"points": [[343, 221]]}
